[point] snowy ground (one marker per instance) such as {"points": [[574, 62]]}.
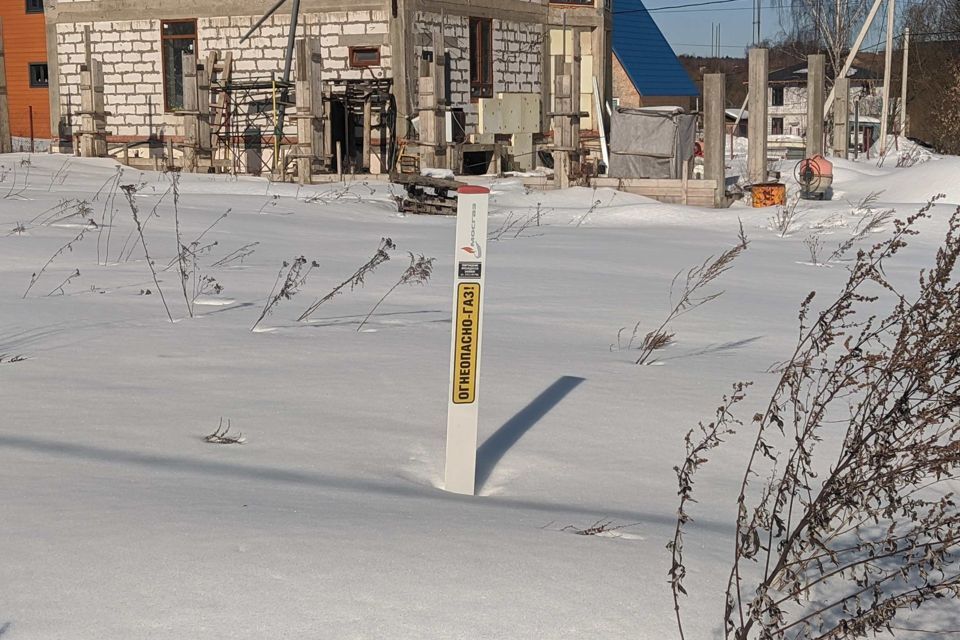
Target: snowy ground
{"points": [[119, 521]]}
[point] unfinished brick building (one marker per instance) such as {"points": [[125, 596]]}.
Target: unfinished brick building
{"points": [[367, 48]]}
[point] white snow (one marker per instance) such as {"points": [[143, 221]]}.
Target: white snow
{"points": [[119, 522]]}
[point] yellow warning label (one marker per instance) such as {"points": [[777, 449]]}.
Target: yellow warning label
{"points": [[465, 349]]}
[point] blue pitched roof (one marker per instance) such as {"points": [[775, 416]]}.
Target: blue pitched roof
{"points": [[645, 54]]}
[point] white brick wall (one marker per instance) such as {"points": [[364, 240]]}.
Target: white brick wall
{"points": [[133, 74], [517, 58]]}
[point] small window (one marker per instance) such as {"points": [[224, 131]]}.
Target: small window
{"points": [[38, 75], [177, 37], [364, 56], [34, 6], [777, 99], [481, 58], [776, 127]]}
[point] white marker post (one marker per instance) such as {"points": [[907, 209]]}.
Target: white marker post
{"points": [[468, 278]]}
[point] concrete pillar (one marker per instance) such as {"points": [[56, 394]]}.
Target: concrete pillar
{"points": [[714, 101], [6, 143], [841, 118], [815, 75], [757, 120]]}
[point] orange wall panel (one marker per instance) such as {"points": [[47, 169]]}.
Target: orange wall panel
{"points": [[24, 41]]}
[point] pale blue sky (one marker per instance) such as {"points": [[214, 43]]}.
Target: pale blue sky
{"points": [[688, 29]]}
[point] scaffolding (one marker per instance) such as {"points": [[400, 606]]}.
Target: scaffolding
{"points": [[245, 127]]}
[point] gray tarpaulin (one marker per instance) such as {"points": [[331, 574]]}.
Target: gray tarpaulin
{"points": [[650, 143]]}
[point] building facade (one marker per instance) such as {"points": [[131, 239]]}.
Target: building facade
{"points": [[27, 77], [493, 46]]}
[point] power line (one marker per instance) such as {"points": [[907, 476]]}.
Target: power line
{"points": [[676, 6]]}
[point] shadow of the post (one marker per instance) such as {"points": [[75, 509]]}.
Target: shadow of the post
{"points": [[496, 446]]}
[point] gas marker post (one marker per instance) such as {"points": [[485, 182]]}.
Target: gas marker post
{"points": [[468, 286]]}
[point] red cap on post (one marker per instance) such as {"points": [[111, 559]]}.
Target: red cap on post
{"points": [[472, 189]]}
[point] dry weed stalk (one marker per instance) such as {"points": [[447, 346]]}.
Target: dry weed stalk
{"points": [[221, 435], [67, 247], [691, 297], [130, 192], [418, 272], [835, 544], [381, 255], [296, 277]]}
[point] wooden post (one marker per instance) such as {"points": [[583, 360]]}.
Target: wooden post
{"points": [[204, 143], [841, 118], [757, 123], [6, 143], [170, 163], [815, 75], [328, 128], [367, 123], [714, 99], [317, 105], [339, 162], [304, 114], [99, 110], [190, 113], [87, 126]]}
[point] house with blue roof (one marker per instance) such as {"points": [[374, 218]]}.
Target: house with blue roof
{"points": [[646, 71]]}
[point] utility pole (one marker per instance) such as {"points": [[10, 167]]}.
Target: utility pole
{"points": [[854, 50], [903, 86], [887, 67]]}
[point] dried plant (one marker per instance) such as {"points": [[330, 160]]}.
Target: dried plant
{"points": [[221, 435], [517, 224], [692, 296], [600, 527], [67, 247], [13, 192], [838, 543], [182, 259], [711, 436], [59, 287], [786, 217], [381, 255], [103, 243], [297, 272], [130, 192], [814, 246], [418, 272], [237, 255]]}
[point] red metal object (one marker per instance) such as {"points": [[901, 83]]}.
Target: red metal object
{"points": [[817, 165]]}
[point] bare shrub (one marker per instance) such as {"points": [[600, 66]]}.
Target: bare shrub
{"points": [[692, 296], [297, 272], [130, 192], [598, 528], [837, 543], [381, 255], [787, 216], [68, 280], [67, 247], [418, 272], [221, 435], [237, 255]]}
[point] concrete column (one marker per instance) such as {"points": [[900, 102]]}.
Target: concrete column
{"points": [[757, 121], [714, 101], [815, 74], [841, 118]]}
